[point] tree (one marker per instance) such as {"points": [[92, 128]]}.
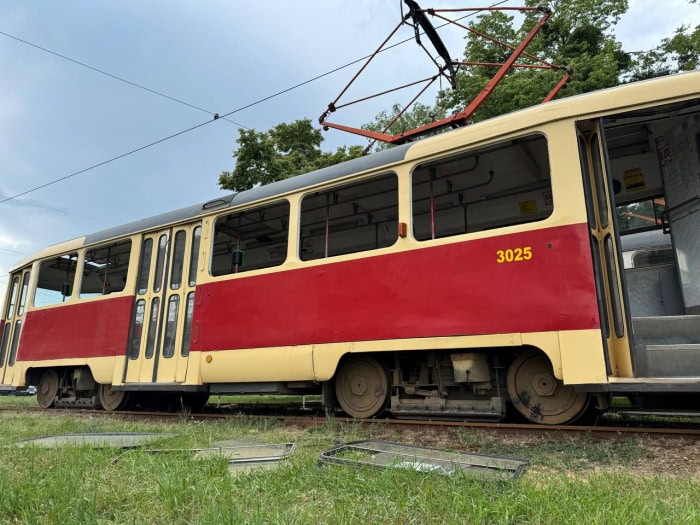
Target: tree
{"points": [[284, 151], [414, 117], [681, 52], [578, 35]]}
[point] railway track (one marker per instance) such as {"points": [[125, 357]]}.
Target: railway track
{"points": [[608, 430]]}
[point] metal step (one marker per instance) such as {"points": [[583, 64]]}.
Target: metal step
{"points": [[667, 346], [682, 360], [667, 329]]}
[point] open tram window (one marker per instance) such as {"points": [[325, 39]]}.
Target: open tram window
{"points": [[640, 216], [350, 218], [56, 279], [251, 239], [105, 269], [500, 185]]}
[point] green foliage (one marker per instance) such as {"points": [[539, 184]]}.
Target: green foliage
{"points": [[578, 35], [418, 115], [681, 52], [284, 151]]}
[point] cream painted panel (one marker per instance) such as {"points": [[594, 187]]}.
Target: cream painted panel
{"points": [[548, 342], [582, 357], [104, 368], [286, 363]]}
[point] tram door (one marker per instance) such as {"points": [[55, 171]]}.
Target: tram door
{"points": [[159, 342], [12, 329], [607, 259]]}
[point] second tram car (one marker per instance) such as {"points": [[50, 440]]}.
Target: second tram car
{"points": [[456, 276]]}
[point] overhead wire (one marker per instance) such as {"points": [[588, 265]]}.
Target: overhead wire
{"points": [[219, 117], [13, 252], [120, 79]]}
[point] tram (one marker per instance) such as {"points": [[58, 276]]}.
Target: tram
{"points": [[468, 274]]}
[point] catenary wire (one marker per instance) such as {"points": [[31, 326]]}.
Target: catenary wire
{"points": [[13, 252], [58, 210], [192, 128], [120, 79]]}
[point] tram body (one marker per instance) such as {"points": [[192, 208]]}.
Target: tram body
{"points": [[452, 276]]}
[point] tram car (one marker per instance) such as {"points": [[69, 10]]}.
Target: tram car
{"points": [[468, 274]]}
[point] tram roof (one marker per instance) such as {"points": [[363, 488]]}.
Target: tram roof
{"points": [[605, 101]]}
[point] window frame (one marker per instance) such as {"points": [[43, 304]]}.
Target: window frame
{"points": [[329, 186], [34, 283], [474, 150], [288, 200], [82, 253]]}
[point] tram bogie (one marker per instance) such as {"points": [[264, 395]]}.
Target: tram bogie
{"points": [[466, 384], [65, 386], [475, 384]]}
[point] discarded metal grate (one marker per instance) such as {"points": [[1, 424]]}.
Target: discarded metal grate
{"points": [[388, 455], [241, 458], [95, 439]]}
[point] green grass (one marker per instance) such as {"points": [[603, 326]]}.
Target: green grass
{"points": [[573, 480], [263, 398], [18, 401]]}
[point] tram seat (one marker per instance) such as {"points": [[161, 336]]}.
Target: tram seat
{"points": [[653, 285], [654, 291]]}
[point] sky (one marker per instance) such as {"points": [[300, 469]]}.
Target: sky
{"points": [[57, 117]]}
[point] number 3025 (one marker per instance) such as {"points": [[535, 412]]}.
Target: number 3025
{"points": [[514, 255]]}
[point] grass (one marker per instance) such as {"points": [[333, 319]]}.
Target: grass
{"points": [[18, 401], [572, 480]]}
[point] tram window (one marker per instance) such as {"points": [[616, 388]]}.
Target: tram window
{"points": [[185, 349], [4, 342], [10, 313], [152, 327], [105, 269], [501, 185], [251, 239], [194, 256], [137, 329], [351, 218], [56, 278], [178, 259], [171, 326], [599, 176], [160, 262], [23, 294], [15, 343], [641, 215], [144, 266]]}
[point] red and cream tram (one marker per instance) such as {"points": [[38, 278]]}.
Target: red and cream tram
{"points": [[451, 276]]}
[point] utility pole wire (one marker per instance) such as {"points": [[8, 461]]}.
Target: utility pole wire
{"points": [[219, 117], [120, 79]]}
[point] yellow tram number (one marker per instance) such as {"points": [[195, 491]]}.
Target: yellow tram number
{"points": [[514, 255]]}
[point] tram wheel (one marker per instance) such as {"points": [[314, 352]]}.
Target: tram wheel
{"points": [[539, 396], [47, 389], [193, 401], [110, 399], [362, 387]]}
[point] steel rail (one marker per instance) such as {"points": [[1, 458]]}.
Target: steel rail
{"points": [[598, 432]]}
